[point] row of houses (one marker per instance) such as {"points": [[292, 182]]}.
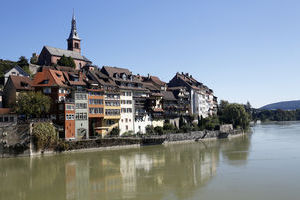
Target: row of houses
{"points": [[92, 101], [89, 101]]}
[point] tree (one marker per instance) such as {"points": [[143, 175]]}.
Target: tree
{"points": [[23, 62], [44, 135], [181, 122], [32, 104], [34, 59], [66, 61], [236, 115]]}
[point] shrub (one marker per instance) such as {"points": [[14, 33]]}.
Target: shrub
{"points": [[168, 127], [159, 130], [44, 135], [114, 132], [150, 130], [186, 128], [127, 134]]}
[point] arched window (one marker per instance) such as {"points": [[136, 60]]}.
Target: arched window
{"points": [[76, 45]]}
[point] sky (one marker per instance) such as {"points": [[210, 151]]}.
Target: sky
{"points": [[245, 50]]}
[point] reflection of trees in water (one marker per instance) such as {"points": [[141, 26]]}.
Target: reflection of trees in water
{"points": [[236, 151]]}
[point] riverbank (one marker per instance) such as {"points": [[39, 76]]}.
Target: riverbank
{"points": [[118, 143]]}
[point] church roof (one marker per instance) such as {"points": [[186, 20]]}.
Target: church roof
{"points": [[60, 52]]}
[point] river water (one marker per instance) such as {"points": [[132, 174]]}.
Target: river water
{"points": [[262, 165]]}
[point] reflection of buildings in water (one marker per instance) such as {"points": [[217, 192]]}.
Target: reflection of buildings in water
{"points": [[129, 165], [77, 180]]}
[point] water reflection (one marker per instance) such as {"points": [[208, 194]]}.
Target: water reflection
{"points": [[154, 172]]}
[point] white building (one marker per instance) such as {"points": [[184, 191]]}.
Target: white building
{"points": [[126, 123], [15, 71]]}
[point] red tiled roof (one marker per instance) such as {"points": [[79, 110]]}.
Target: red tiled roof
{"points": [[156, 80], [21, 82]]}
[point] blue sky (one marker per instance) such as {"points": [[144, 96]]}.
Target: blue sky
{"points": [[245, 50]]}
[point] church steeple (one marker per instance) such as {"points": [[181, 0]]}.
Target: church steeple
{"points": [[74, 40]]}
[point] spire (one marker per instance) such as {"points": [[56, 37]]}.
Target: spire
{"points": [[73, 33]]}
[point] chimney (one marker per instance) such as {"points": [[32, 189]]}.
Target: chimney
{"points": [[148, 76]]}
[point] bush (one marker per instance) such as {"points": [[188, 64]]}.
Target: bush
{"points": [[159, 130], [186, 128], [44, 135], [114, 132], [127, 134], [150, 130], [168, 127]]}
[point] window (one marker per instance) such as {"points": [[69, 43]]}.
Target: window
{"points": [[69, 107], [47, 90], [126, 127], [76, 45], [112, 112], [96, 110], [96, 101], [81, 106], [81, 116], [129, 110], [129, 102], [5, 119], [80, 96]]}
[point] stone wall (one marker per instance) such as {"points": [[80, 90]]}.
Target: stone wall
{"points": [[15, 140]]}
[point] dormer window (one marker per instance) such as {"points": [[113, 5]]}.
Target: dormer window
{"points": [[124, 76], [23, 84], [58, 75]]}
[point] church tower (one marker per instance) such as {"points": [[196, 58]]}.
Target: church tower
{"points": [[74, 40]]}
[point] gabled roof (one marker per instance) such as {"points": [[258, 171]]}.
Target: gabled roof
{"points": [[150, 86], [156, 80], [112, 70], [69, 78], [49, 77], [21, 82], [168, 95], [19, 69], [101, 78], [60, 52]]}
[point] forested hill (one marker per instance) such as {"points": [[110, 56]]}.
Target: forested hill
{"points": [[283, 105]]}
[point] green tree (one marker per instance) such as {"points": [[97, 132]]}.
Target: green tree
{"points": [[34, 59], [66, 61], [32, 104], [23, 62], [236, 115]]}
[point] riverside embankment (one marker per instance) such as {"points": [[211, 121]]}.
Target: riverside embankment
{"points": [[15, 144]]}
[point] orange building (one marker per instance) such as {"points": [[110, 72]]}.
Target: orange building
{"points": [[96, 111]]}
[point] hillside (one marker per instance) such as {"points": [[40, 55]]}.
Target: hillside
{"points": [[283, 105]]}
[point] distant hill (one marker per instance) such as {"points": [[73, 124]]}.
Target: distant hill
{"points": [[283, 105]]}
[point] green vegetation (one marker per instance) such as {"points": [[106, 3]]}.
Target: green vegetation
{"points": [[6, 65], [234, 114], [66, 61], [32, 104], [276, 115], [44, 136], [115, 132]]}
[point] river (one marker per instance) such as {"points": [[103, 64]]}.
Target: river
{"points": [[262, 165]]}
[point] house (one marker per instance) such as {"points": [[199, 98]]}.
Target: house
{"points": [[111, 101], [50, 55], [15, 71], [15, 85], [202, 101], [7, 117], [126, 83]]}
